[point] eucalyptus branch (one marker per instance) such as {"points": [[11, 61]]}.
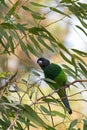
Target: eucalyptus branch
{"points": [[64, 87], [43, 97], [77, 81], [14, 121]]}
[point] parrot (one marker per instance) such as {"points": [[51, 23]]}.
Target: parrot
{"points": [[55, 73]]}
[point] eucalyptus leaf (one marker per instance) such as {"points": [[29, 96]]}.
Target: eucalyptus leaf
{"points": [[59, 11], [29, 113], [39, 5], [49, 80], [12, 10], [85, 124], [65, 58], [45, 110], [73, 123], [57, 113]]}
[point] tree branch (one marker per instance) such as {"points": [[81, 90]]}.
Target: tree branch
{"points": [[43, 97], [64, 87]]}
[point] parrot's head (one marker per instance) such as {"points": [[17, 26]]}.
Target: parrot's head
{"points": [[43, 63]]}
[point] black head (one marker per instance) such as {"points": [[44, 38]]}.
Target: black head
{"points": [[43, 63]]}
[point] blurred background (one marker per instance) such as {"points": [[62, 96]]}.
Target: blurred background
{"points": [[64, 29]]}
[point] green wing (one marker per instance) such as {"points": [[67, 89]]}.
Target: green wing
{"points": [[60, 80], [56, 73]]}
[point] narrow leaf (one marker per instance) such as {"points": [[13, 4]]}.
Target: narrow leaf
{"points": [[11, 11], [64, 48], [23, 47], [83, 68], [81, 29], [39, 5], [30, 114], [45, 44], [56, 113], [73, 123], [36, 73], [49, 80], [11, 44], [36, 43], [32, 49], [81, 53], [65, 58], [49, 100], [45, 110], [58, 11], [85, 124], [38, 17]]}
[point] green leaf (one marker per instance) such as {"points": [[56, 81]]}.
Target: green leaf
{"points": [[45, 44], [13, 34], [48, 37], [74, 64], [3, 2], [65, 58], [45, 110], [31, 115], [4, 124], [32, 49], [58, 11], [5, 47], [35, 30], [12, 10], [38, 17], [70, 73], [79, 59], [11, 44], [39, 30], [39, 5], [23, 47], [13, 105], [64, 48], [85, 124], [8, 26], [73, 123], [35, 72], [19, 127], [83, 22], [50, 128], [81, 53], [83, 68], [81, 29], [27, 9], [56, 113], [5, 119], [49, 100], [26, 122], [68, 68], [48, 33], [21, 28], [36, 43], [49, 80]]}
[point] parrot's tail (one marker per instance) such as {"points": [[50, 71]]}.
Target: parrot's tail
{"points": [[66, 103]]}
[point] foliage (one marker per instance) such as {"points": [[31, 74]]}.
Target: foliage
{"points": [[32, 39]]}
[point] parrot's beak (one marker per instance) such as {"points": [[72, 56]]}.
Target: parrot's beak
{"points": [[39, 62]]}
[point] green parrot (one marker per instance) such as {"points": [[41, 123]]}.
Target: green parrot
{"points": [[55, 73]]}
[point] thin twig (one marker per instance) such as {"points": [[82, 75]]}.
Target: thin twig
{"points": [[43, 97], [14, 121], [64, 87]]}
